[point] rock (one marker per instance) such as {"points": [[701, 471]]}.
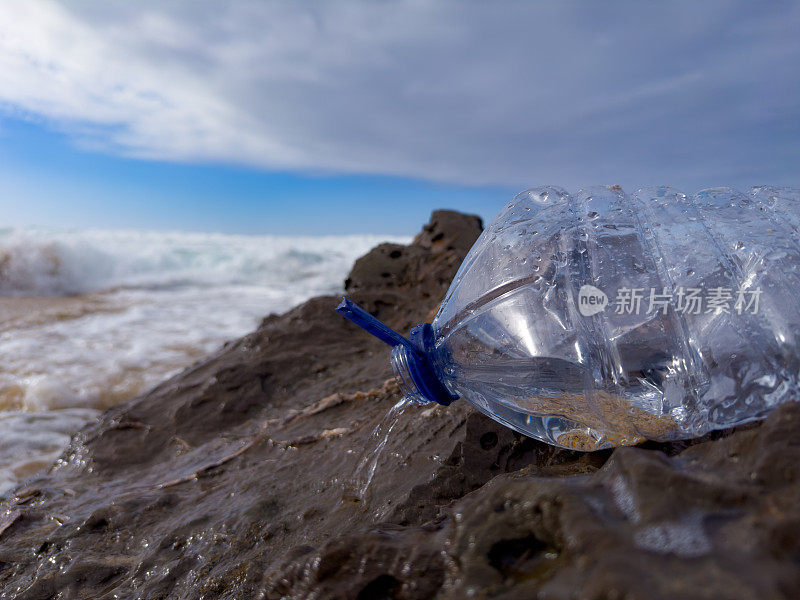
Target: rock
{"points": [[720, 520], [449, 230], [384, 266], [393, 265], [278, 468]]}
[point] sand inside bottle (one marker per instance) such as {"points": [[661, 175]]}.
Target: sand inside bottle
{"points": [[608, 420]]}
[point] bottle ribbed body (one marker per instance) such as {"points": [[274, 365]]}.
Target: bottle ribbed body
{"points": [[602, 318]]}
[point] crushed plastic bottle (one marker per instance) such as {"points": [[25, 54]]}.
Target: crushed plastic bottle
{"points": [[602, 319]]}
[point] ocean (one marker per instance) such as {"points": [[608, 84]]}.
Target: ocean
{"points": [[90, 318]]}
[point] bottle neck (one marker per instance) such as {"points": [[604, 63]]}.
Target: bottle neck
{"points": [[416, 370], [402, 372], [411, 358]]}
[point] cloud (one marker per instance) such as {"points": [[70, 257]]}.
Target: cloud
{"points": [[571, 93]]}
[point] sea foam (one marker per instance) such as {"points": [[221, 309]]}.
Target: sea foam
{"points": [[92, 318], [36, 261], [126, 308]]}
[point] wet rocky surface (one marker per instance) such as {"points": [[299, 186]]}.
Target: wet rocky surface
{"points": [[281, 467]]}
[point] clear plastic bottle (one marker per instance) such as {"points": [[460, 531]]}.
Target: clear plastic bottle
{"points": [[602, 319]]}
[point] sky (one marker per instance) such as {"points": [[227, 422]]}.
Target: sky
{"points": [[355, 117]]}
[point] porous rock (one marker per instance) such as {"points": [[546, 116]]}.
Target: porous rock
{"points": [[278, 468]]}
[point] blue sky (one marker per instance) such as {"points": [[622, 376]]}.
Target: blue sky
{"points": [[47, 181], [353, 117]]}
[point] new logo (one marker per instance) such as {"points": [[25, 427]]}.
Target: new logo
{"points": [[591, 300]]}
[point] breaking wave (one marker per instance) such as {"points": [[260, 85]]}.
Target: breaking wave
{"points": [[38, 261]]}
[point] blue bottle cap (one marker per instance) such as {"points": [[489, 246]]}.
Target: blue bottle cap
{"points": [[415, 354]]}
